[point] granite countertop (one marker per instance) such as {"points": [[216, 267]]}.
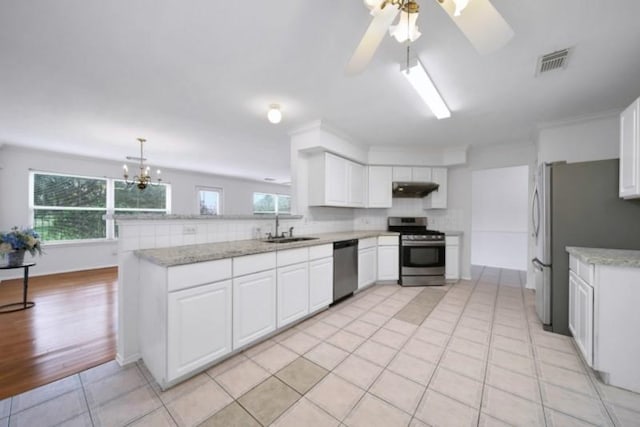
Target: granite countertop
{"points": [[173, 217], [188, 254], [617, 257]]}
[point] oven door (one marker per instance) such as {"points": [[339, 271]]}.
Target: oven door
{"points": [[422, 258]]}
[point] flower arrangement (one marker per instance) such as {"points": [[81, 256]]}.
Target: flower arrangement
{"points": [[25, 239]]}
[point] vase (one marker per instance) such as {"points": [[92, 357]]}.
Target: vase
{"points": [[16, 258]]}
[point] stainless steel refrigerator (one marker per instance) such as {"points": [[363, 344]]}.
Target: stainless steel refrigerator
{"points": [[575, 204]]}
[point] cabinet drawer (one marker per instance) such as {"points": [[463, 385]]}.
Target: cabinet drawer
{"points": [[253, 263], [586, 272], [292, 256], [452, 240], [186, 276], [388, 240], [367, 243], [320, 251], [573, 263]]}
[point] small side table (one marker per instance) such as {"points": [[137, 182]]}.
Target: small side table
{"points": [[18, 306]]}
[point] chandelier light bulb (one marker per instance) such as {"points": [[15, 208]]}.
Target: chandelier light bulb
{"points": [[274, 115]]}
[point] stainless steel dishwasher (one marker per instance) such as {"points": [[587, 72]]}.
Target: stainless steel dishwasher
{"points": [[345, 268]]}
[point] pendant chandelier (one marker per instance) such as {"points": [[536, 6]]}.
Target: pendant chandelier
{"points": [[143, 179]]}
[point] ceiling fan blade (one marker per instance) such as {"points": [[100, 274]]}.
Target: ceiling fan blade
{"points": [[372, 38], [482, 24]]}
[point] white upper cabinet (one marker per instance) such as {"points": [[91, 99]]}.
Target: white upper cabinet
{"points": [[630, 152], [411, 174], [335, 181], [379, 187], [356, 178], [401, 173], [437, 199], [421, 174]]}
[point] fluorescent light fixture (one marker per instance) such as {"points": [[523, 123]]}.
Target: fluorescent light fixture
{"points": [[421, 82], [274, 115]]}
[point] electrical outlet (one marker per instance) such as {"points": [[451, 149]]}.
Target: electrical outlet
{"points": [[189, 229]]}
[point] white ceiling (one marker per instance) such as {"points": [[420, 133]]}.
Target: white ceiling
{"points": [[195, 77]]}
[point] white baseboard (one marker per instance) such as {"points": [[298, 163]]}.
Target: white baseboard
{"points": [[127, 361]]}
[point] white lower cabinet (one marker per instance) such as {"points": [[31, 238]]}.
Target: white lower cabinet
{"points": [[320, 283], [367, 269], [198, 327], [293, 293], [581, 315], [388, 258], [254, 307], [452, 258]]}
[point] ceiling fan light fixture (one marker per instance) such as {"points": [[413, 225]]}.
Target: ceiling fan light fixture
{"points": [[460, 6], [422, 83], [406, 29], [274, 115]]}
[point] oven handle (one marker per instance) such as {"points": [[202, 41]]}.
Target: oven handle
{"points": [[422, 243]]}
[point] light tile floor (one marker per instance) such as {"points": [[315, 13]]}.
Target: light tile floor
{"points": [[469, 354]]}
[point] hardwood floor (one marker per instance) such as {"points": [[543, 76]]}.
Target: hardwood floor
{"points": [[71, 328]]}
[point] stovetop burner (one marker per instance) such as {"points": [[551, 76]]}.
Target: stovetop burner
{"points": [[413, 228]]}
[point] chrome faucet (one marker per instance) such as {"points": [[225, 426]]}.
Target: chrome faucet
{"points": [[290, 231], [277, 225]]}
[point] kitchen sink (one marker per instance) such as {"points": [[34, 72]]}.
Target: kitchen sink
{"points": [[290, 239]]}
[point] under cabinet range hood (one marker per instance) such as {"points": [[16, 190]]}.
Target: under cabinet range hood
{"points": [[413, 190]]}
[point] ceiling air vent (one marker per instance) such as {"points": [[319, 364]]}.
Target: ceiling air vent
{"points": [[552, 61]]}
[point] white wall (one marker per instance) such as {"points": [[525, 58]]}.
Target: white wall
{"points": [[499, 214], [16, 162], [581, 141]]}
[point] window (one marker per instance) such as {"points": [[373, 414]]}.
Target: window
{"points": [[264, 203], [129, 199], [73, 208], [69, 207], [209, 200]]}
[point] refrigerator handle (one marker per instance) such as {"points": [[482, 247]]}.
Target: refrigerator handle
{"points": [[535, 212], [537, 264]]}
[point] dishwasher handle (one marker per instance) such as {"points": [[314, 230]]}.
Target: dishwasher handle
{"points": [[345, 244]]}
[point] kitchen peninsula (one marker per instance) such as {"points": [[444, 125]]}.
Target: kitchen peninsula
{"points": [[197, 304]]}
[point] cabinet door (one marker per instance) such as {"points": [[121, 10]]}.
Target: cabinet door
{"points": [[356, 184], [630, 152], [437, 199], [388, 262], [452, 262], [367, 269], [336, 189], [573, 294], [380, 187], [421, 174], [584, 303], [320, 283], [199, 327], [254, 307], [402, 173], [293, 293]]}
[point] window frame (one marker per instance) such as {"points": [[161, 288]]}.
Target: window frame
{"points": [[277, 197], [109, 209], [218, 190]]}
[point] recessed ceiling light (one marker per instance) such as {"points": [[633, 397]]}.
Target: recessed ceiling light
{"points": [[274, 115]]}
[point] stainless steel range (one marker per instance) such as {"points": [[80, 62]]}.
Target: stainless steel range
{"points": [[422, 252]]}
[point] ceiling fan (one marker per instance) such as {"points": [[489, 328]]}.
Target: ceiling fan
{"points": [[478, 20]]}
